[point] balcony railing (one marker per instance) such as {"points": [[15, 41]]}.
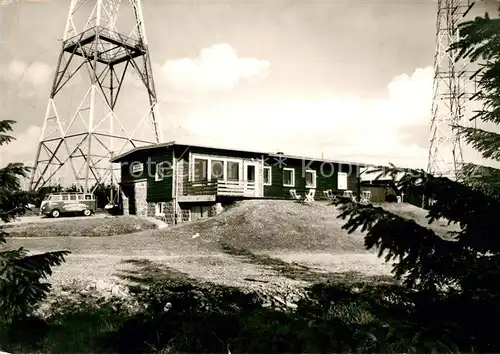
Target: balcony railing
{"points": [[236, 188], [222, 188]]}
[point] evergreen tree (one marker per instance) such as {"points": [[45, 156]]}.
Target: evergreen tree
{"points": [[468, 260], [22, 277]]}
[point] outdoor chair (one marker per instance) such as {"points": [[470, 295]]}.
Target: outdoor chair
{"points": [[309, 197], [329, 195], [366, 197], [349, 194], [294, 195]]}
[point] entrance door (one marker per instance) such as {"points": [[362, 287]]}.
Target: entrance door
{"points": [[254, 179], [128, 190], [131, 201]]}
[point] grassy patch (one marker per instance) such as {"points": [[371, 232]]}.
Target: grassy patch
{"points": [[79, 328], [91, 227]]}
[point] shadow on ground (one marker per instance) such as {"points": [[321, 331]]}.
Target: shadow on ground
{"points": [[147, 272], [296, 271]]}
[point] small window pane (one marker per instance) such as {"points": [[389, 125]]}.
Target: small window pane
{"points": [[267, 175], [310, 179], [251, 173], [217, 169], [233, 171], [200, 169], [288, 177]]}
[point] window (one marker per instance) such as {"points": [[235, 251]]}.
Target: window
{"points": [[159, 209], [233, 171], [250, 173], [217, 167], [64, 197], [288, 177], [342, 181], [267, 176], [310, 179], [200, 169], [160, 171], [88, 197], [72, 197]]}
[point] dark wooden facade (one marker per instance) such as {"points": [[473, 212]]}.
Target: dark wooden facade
{"points": [[178, 181], [157, 191]]}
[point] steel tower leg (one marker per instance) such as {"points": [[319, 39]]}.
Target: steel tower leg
{"points": [[77, 145], [450, 93]]}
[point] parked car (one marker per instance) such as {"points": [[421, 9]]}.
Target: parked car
{"points": [[56, 204]]}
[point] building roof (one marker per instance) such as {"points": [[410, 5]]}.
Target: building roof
{"points": [[120, 157]]}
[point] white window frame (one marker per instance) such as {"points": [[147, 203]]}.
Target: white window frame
{"points": [[200, 157], [224, 168], [224, 160], [240, 168], [158, 169], [270, 176], [315, 175], [159, 209], [338, 178], [293, 177]]}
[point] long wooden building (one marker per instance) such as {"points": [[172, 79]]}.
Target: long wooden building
{"points": [[177, 182]]}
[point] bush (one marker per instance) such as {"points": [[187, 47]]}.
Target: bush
{"points": [[185, 316], [22, 277]]}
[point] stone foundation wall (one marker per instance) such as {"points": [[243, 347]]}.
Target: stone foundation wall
{"points": [[125, 204], [141, 205], [215, 209], [186, 215], [181, 176], [152, 209], [169, 215]]}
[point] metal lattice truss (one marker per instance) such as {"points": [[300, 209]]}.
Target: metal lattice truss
{"points": [[79, 144], [452, 89]]}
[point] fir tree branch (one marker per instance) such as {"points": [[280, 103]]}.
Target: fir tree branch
{"points": [[422, 257], [486, 179], [479, 224], [486, 142], [6, 126]]}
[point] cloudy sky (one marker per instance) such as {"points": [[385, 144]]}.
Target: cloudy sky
{"points": [[347, 79]]}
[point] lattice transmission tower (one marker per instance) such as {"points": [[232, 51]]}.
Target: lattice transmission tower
{"points": [[101, 55], [450, 92]]}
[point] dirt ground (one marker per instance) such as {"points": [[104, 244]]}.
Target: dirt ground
{"points": [[121, 259], [253, 244]]}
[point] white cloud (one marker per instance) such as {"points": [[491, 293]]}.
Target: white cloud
{"points": [[29, 77], [346, 128], [23, 148], [218, 68]]}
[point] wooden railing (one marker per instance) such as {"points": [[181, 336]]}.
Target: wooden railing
{"points": [[236, 188], [201, 188], [223, 188]]}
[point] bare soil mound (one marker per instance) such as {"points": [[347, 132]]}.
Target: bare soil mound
{"points": [[263, 225]]}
